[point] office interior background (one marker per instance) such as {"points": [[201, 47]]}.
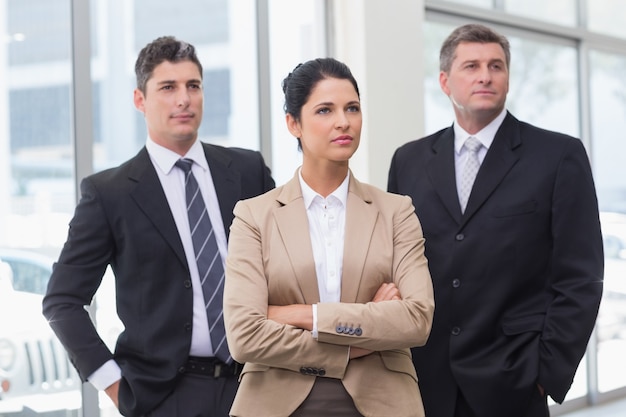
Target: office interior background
{"points": [[66, 110]]}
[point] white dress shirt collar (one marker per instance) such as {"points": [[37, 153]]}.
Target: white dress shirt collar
{"points": [[485, 135], [308, 194], [165, 158]]}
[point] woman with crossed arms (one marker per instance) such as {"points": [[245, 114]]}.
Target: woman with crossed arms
{"points": [[327, 286]]}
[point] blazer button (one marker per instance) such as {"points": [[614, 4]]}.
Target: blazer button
{"points": [[321, 372], [339, 329], [358, 331], [456, 283], [459, 237], [187, 283], [456, 331], [351, 330], [303, 370], [181, 370], [188, 327]]}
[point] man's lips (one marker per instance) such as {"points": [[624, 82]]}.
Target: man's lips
{"points": [[484, 92], [183, 116]]}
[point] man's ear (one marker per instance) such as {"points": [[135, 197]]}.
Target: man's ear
{"points": [[443, 82], [139, 100]]}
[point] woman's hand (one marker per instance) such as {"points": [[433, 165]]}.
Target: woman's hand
{"points": [[298, 315], [387, 291]]}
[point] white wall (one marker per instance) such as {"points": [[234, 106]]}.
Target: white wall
{"points": [[386, 60]]}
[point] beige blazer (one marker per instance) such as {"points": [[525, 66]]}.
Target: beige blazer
{"points": [[270, 262]]}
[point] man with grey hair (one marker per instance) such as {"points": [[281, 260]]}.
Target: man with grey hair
{"points": [[172, 358], [510, 218]]}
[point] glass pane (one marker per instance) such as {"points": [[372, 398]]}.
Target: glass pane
{"points": [[36, 202], [608, 111], [296, 35], [225, 41], [607, 17], [560, 12], [543, 83]]}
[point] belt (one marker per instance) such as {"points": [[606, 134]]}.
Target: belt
{"points": [[210, 367]]}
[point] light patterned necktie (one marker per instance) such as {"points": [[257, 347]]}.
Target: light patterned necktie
{"points": [[208, 259], [470, 169]]}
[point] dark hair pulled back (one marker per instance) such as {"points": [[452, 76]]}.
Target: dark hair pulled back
{"points": [[300, 82]]}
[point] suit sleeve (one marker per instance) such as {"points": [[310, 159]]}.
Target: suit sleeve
{"points": [[74, 281], [577, 272]]}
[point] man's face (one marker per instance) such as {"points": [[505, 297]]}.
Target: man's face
{"points": [[172, 104], [477, 83]]}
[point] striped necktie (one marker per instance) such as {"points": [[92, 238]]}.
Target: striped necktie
{"points": [[208, 259]]}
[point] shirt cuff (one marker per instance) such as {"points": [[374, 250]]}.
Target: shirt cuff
{"points": [[106, 375], [314, 331]]}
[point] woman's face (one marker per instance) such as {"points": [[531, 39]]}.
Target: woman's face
{"points": [[330, 122]]}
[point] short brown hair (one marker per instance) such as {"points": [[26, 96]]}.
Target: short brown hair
{"points": [[165, 48], [470, 33]]}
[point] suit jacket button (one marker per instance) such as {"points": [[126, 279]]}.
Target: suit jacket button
{"points": [[321, 372], [456, 331], [187, 283], [181, 370], [459, 237], [351, 330], [303, 370], [456, 283], [358, 331], [188, 327], [339, 329]]}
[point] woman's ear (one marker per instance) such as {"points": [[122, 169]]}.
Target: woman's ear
{"points": [[293, 125]]}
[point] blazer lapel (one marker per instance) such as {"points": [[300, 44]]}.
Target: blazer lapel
{"points": [[441, 172], [149, 196], [500, 158], [293, 225], [361, 218], [227, 183]]}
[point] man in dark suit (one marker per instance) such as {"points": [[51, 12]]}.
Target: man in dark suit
{"points": [[134, 218], [517, 271]]}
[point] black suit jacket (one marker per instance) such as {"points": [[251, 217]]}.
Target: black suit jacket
{"points": [[517, 277], [123, 219]]}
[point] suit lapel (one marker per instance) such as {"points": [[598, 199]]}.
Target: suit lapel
{"points": [[441, 172], [149, 196], [361, 218], [293, 226], [498, 162], [227, 183]]}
